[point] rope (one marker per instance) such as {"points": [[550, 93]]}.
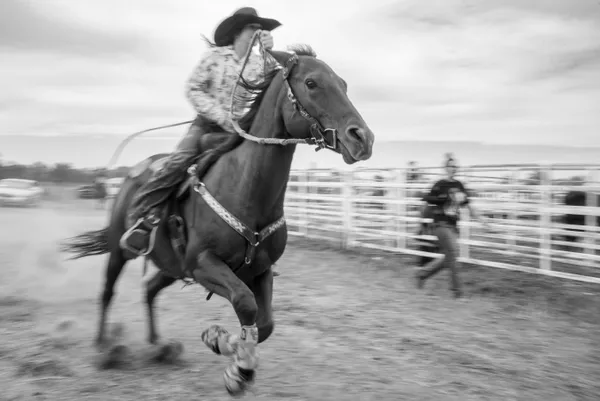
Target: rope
{"points": [[129, 138]]}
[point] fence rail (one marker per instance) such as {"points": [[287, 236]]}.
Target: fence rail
{"points": [[379, 209]]}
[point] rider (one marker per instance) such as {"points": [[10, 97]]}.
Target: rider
{"points": [[209, 90]]}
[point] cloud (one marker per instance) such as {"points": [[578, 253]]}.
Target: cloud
{"points": [[25, 26], [571, 61], [487, 70], [453, 65]]}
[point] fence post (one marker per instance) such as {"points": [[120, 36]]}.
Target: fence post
{"points": [[347, 207], [545, 217], [465, 233], [590, 219], [511, 241], [400, 208], [303, 180]]}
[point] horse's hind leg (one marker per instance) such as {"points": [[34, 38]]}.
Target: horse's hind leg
{"points": [[153, 287], [170, 351], [116, 262]]}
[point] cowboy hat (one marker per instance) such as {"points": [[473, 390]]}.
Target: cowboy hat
{"points": [[232, 25]]}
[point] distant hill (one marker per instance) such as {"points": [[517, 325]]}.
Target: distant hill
{"points": [[399, 153]]}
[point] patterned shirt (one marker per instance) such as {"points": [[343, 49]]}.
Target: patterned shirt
{"points": [[212, 81]]}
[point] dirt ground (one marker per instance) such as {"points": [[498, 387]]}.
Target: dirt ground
{"points": [[348, 326]]}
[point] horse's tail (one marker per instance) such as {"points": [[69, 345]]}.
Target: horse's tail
{"points": [[87, 244]]}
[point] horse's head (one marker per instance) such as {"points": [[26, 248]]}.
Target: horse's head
{"points": [[318, 107]]}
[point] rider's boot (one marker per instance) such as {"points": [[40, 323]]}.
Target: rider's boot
{"points": [[138, 239]]}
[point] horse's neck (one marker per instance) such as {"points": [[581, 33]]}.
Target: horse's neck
{"points": [[257, 174], [263, 176]]}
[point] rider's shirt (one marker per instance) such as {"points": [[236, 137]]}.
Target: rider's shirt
{"points": [[448, 196], [213, 80]]}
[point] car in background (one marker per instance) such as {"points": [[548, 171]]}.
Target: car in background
{"points": [[20, 192], [90, 191], [87, 192], [113, 185]]}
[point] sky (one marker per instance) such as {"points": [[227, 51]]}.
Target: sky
{"points": [[491, 71]]}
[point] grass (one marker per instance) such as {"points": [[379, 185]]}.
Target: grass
{"points": [[349, 325]]}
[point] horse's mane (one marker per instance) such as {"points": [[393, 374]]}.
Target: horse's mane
{"points": [[303, 49], [252, 98]]}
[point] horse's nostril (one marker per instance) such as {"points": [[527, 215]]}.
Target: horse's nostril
{"points": [[354, 133]]}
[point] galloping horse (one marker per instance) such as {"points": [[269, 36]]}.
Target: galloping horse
{"points": [[230, 212]]}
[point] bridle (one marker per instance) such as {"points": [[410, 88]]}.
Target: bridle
{"points": [[318, 133]]}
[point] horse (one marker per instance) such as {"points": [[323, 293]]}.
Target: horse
{"points": [[226, 225]]}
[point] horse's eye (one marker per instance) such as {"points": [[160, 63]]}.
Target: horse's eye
{"points": [[310, 84]]}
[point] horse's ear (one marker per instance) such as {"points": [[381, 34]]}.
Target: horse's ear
{"points": [[280, 56]]}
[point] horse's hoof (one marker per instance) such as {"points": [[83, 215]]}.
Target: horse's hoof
{"points": [[168, 352], [210, 337], [238, 380], [114, 357], [176, 349]]}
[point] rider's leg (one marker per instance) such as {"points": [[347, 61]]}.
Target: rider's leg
{"points": [[149, 199]]}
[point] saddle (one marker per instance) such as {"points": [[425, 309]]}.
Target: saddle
{"points": [[171, 206]]}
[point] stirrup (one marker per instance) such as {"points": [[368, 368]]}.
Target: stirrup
{"points": [[135, 228]]}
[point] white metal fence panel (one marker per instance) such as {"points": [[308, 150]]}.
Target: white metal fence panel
{"points": [[380, 209]]}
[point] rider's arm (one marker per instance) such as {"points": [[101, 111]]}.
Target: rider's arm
{"points": [[200, 86]]}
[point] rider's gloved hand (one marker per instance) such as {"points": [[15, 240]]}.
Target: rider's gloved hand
{"points": [[266, 39]]}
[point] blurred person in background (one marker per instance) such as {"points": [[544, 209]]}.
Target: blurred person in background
{"points": [[447, 197], [100, 189], [412, 174]]}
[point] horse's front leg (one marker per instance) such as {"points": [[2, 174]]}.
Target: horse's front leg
{"points": [[216, 276], [262, 287]]}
